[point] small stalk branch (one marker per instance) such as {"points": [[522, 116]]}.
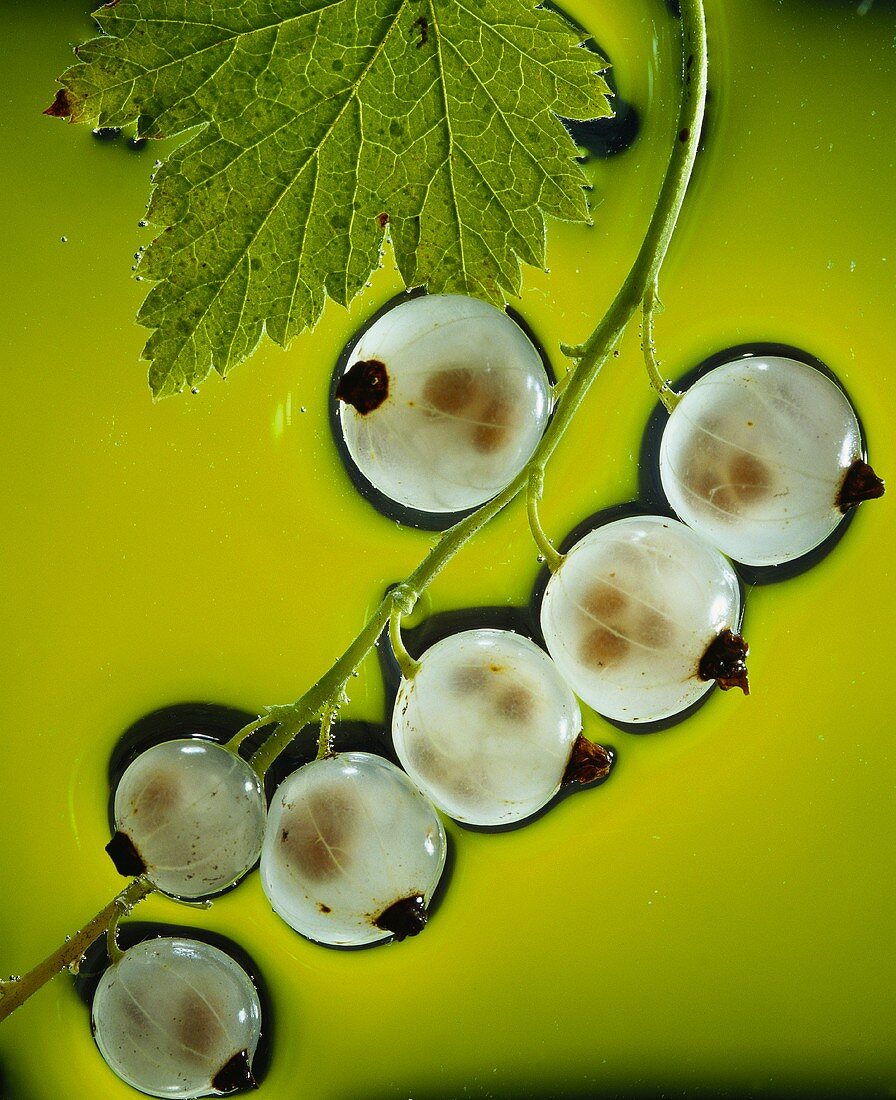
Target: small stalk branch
{"points": [[325, 736], [546, 548], [233, 745], [15, 993], [409, 665], [663, 387]]}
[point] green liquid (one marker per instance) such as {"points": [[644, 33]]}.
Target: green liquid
{"points": [[719, 915]]}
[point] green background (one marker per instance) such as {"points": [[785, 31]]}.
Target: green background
{"points": [[718, 917]]}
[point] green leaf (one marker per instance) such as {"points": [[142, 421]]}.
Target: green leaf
{"points": [[325, 125]]}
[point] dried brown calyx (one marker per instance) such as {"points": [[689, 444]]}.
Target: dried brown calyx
{"points": [[588, 762], [404, 918], [860, 483], [124, 855], [364, 386], [235, 1075], [725, 661]]}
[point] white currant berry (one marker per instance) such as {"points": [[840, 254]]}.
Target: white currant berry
{"points": [[178, 1018], [353, 851], [486, 726], [442, 402], [763, 456], [190, 815], [641, 617]]}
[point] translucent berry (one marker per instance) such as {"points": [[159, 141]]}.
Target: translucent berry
{"points": [[763, 456], [190, 815], [178, 1018], [486, 726], [353, 851], [442, 402], [642, 617]]}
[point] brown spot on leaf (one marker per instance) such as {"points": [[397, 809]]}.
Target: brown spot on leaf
{"points": [[364, 386], [725, 661], [860, 483], [382, 220], [62, 106], [324, 908]]}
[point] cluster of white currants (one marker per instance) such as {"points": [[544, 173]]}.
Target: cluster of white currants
{"points": [[351, 853], [442, 403], [761, 458]]}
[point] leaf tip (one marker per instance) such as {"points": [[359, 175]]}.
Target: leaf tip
{"points": [[62, 106]]}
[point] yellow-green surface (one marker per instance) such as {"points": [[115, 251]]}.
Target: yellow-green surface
{"points": [[718, 916]]}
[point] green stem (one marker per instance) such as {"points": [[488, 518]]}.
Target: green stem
{"points": [[544, 544], [325, 736], [112, 949], [15, 993], [589, 356], [238, 738], [409, 665], [664, 389]]}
